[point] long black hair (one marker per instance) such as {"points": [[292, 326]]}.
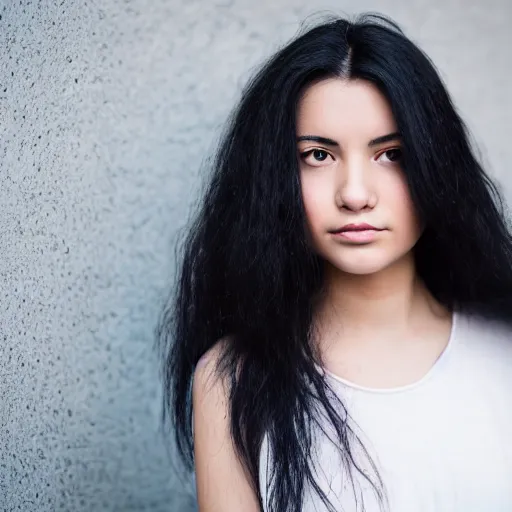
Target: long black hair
{"points": [[247, 273]]}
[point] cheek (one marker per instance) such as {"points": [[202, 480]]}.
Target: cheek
{"points": [[402, 207], [315, 199]]}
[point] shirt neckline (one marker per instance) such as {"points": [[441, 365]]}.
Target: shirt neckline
{"points": [[440, 361]]}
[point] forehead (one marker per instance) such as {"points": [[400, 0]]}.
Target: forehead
{"points": [[343, 109]]}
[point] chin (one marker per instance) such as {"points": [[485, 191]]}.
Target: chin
{"points": [[361, 266], [361, 270]]}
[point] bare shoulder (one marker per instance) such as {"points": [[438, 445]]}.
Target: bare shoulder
{"points": [[205, 369], [221, 482]]}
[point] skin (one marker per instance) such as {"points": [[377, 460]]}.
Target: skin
{"points": [[377, 325], [222, 485]]}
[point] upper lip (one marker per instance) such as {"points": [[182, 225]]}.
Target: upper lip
{"points": [[356, 227]]}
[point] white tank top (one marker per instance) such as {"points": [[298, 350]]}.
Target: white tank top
{"points": [[442, 444]]}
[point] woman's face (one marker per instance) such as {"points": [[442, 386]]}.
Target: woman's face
{"points": [[359, 212]]}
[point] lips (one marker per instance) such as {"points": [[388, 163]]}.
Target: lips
{"points": [[356, 227], [357, 233]]}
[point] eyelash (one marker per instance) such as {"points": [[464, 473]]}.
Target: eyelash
{"points": [[307, 153]]}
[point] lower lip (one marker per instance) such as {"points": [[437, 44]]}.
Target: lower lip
{"points": [[367, 235]]}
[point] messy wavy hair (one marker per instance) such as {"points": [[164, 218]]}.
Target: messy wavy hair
{"points": [[246, 272]]}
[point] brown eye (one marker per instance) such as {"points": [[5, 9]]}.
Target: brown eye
{"points": [[319, 155], [392, 155], [315, 156]]}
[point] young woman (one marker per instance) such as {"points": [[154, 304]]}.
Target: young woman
{"points": [[340, 334]]}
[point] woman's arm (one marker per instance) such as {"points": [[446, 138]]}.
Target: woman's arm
{"points": [[221, 482]]}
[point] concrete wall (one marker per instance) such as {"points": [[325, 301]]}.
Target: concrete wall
{"points": [[107, 109]]}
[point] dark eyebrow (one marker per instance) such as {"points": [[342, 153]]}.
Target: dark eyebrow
{"points": [[331, 142], [384, 138], [316, 138]]}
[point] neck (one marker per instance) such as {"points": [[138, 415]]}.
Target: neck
{"points": [[387, 301]]}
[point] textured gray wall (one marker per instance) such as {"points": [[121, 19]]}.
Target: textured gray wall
{"points": [[107, 109]]}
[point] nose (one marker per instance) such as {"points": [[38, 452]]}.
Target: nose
{"points": [[354, 191]]}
